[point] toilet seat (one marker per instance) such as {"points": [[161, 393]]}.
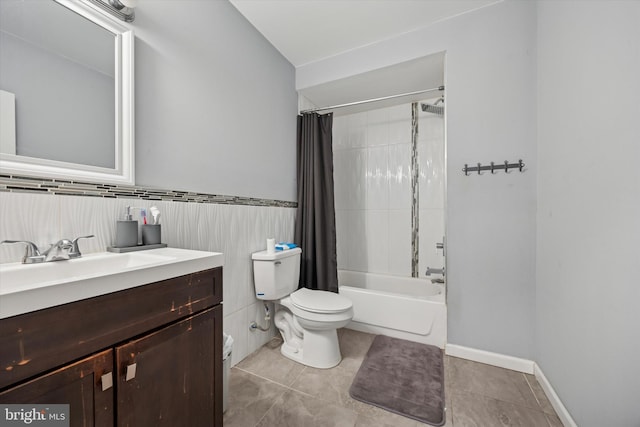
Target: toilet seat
{"points": [[323, 302]]}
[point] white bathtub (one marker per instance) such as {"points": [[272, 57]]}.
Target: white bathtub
{"points": [[401, 307]]}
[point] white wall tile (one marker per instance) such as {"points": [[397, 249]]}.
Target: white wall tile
{"points": [[235, 324], [32, 217], [400, 242], [374, 225], [431, 161], [341, 239], [341, 179], [377, 183], [357, 130], [357, 240], [257, 338], [378, 127], [357, 182], [377, 232], [82, 216], [340, 133], [400, 176], [400, 124], [236, 231], [431, 232]]}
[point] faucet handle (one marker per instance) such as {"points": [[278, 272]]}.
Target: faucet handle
{"points": [[75, 250], [31, 253]]}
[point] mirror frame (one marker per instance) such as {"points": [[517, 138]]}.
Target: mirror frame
{"points": [[123, 173]]}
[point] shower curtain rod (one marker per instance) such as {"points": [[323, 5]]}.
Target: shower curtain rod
{"points": [[366, 101]]}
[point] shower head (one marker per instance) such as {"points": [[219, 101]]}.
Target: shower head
{"points": [[434, 108]]}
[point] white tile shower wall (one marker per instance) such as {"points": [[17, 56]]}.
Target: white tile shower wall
{"points": [[234, 230], [372, 161], [431, 163]]}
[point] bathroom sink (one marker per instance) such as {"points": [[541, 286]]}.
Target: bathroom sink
{"points": [[29, 287], [17, 277]]}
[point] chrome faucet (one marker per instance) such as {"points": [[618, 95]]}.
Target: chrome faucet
{"points": [[58, 251], [31, 254], [62, 250], [431, 271], [75, 251]]}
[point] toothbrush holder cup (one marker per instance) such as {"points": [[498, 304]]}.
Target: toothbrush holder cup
{"points": [[151, 234]]}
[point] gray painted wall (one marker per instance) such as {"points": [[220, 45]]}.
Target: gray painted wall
{"points": [[588, 269], [490, 100], [216, 103]]}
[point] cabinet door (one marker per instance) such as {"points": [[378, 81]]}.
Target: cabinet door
{"points": [[80, 385], [173, 377]]}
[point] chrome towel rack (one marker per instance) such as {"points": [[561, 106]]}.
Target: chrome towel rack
{"points": [[493, 167]]}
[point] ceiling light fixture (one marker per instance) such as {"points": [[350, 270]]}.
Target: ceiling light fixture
{"points": [[124, 9]]}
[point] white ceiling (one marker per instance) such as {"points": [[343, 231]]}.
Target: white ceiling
{"points": [[403, 78], [306, 31]]}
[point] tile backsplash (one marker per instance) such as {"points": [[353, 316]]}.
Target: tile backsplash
{"points": [[27, 184], [235, 226]]}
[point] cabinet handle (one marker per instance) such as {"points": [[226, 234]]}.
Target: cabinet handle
{"points": [[131, 372], [107, 381]]}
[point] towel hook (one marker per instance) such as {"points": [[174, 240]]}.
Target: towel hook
{"points": [[492, 168], [506, 166], [479, 167]]}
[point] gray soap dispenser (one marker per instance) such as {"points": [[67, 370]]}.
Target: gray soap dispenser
{"points": [[126, 231]]}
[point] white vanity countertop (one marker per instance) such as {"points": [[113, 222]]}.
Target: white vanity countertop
{"points": [[30, 287]]}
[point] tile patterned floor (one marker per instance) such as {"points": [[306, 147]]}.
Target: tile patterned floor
{"points": [[268, 390]]}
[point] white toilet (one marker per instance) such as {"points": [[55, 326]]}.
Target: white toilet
{"points": [[307, 319]]}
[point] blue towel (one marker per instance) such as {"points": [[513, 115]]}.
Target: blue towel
{"points": [[282, 246]]}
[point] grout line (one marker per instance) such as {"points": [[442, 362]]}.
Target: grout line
{"points": [[288, 387], [533, 392], [448, 409], [291, 388], [259, 376], [270, 407], [271, 381], [488, 397]]}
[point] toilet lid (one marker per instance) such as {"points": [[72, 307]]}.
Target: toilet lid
{"points": [[320, 301]]}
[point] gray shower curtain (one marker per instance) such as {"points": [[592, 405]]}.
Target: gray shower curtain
{"points": [[315, 229]]}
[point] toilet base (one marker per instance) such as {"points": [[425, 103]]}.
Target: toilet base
{"points": [[320, 349]]}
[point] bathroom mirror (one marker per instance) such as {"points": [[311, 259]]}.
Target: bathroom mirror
{"points": [[66, 92]]}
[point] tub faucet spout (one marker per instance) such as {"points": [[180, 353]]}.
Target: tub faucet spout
{"points": [[431, 271]]}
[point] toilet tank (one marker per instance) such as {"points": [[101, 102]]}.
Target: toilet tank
{"points": [[276, 274]]}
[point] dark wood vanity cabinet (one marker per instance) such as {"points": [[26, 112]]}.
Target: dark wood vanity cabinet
{"points": [[78, 385], [146, 356], [170, 365]]}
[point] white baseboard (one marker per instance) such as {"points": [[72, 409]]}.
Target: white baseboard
{"points": [[494, 359], [555, 401]]}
